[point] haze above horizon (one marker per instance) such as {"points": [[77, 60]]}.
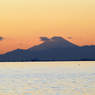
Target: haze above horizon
{"points": [[22, 22]]}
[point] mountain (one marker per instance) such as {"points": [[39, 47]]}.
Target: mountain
{"points": [[57, 48], [57, 54], [53, 43]]}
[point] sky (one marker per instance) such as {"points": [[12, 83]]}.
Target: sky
{"points": [[23, 22]]}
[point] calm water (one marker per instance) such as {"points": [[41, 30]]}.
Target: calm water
{"points": [[47, 78]]}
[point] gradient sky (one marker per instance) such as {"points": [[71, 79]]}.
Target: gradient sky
{"points": [[22, 22]]}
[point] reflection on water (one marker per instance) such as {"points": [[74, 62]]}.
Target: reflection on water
{"points": [[47, 78]]}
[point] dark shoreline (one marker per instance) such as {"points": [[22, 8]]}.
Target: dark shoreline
{"points": [[47, 60]]}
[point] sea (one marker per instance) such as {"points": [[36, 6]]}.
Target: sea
{"points": [[47, 78]]}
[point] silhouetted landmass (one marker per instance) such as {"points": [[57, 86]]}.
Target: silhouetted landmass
{"points": [[70, 53], [55, 54], [52, 43]]}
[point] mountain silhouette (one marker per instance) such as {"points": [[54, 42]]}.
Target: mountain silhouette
{"points": [[57, 48], [53, 43]]}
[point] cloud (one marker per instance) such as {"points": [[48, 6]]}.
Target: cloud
{"points": [[70, 37], [1, 38], [45, 39]]}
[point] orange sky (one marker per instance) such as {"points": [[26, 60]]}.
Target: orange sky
{"points": [[22, 22]]}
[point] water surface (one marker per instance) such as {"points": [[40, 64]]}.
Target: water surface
{"points": [[47, 78]]}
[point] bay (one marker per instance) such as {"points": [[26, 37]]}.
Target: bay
{"points": [[47, 78]]}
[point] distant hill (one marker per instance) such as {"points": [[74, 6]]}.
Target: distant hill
{"points": [[53, 43], [56, 54]]}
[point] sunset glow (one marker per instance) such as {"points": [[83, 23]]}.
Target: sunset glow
{"points": [[22, 22]]}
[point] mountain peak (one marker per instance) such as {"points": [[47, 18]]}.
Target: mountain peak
{"points": [[53, 43], [57, 38]]}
